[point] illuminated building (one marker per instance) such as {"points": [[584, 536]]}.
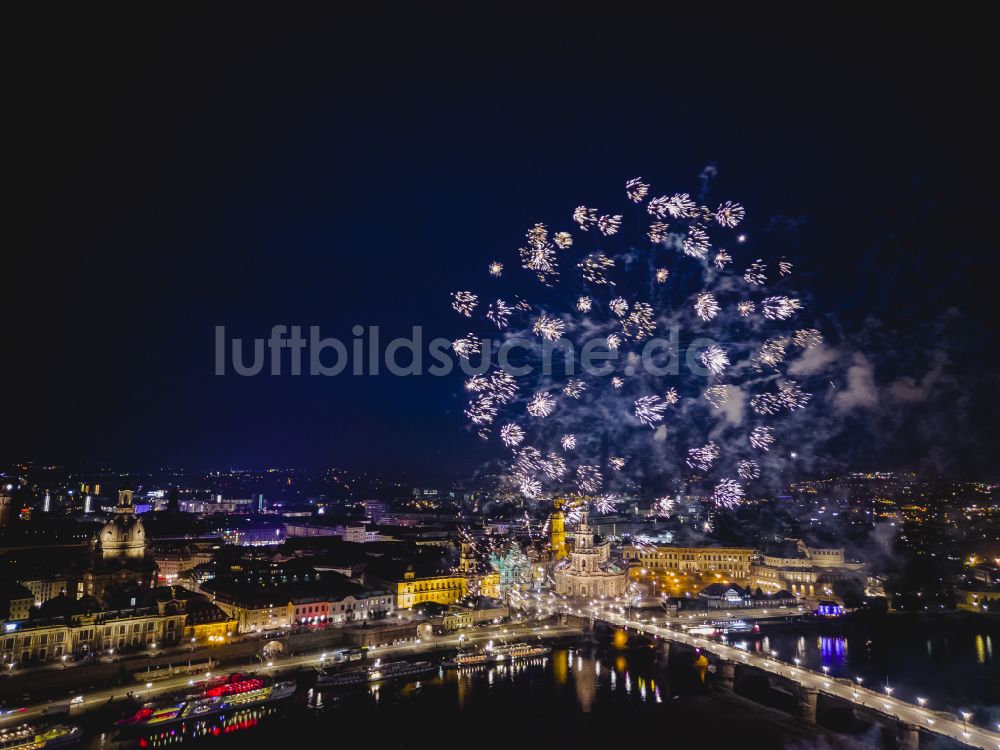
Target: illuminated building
{"points": [[67, 626], [803, 570], [16, 601], [415, 586], [5, 504], [589, 571], [330, 599], [557, 533], [123, 537], [485, 583], [731, 562]]}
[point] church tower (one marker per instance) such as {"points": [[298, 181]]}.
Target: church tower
{"points": [[557, 533]]}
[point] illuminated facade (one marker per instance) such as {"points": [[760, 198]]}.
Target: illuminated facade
{"points": [[123, 537], [557, 533], [731, 562], [439, 588], [47, 639], [803, 570], [589, 571]]}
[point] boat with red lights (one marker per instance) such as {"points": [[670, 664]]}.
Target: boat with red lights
{"points": [[235, 702]]}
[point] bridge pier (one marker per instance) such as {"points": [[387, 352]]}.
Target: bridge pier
{"points": [[726, 675], [808, 697], [665, 649], [907, 736]]}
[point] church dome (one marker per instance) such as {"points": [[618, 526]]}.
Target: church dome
{"points": [[123, 536]]}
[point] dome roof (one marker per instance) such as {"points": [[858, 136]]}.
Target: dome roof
{"points": [[123, 535]]}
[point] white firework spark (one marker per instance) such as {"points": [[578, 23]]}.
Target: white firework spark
{"points": [[728, 493], [703, 458], [606, 503], [670, 397], [636, 189], [554, 467], [729, 214], [498, 313], [696, 244], [780, 307], [662, 274], [715, 359], [502, 386], [784, 267], [482, 410], [496, 268], [617, 382], [756, 273], [594, 268], [717, 395], [663, 506], [705, 306], [466, 346], [542, 260], [680, 206], [583, 304], [792, 397], [464, 302], [589, 479], [618, 306], [511, 435], [563, 240], [614, 341], [541, 404], [807, 338], [617, 463], [609, 225], [530, 488], [649, 410], [722, 259], [549, 328], [574, 388], [640, 323], [568, 442], [658, 232], [585, 217], [745, 309], [748, 470], [772, 352], [658, 207], [762, 438]]}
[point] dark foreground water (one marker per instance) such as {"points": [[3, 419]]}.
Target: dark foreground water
{"points": [[952, 661], [587, 696], [597, 694]]}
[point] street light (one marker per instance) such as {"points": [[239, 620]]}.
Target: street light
{"points": [[826, 670], [921, 701]]}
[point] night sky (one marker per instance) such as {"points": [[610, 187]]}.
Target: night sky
{"points": [[174, 172]]}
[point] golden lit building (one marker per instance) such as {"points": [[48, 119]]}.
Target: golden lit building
{"points": [[442, 588], [557, 533], [732, 563]]}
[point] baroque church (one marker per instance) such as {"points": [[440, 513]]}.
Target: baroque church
{"points": [[118, 553], [589, 572]]}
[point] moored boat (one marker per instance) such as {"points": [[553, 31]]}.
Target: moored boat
{"points": [[376, 672], [188, 713], [31, 737], [491, 654]]}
